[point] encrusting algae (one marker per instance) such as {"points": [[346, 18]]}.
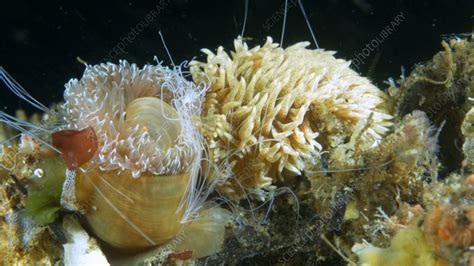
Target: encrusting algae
{"points": [[443, 89]]}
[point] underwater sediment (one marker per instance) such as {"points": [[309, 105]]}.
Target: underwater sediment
{"points": [[269, 155]]}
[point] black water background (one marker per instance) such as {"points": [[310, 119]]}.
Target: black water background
{"points": [[42, 39]]}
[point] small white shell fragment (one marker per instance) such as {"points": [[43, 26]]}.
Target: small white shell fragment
{"points": [[80, 249], [38, 173]]}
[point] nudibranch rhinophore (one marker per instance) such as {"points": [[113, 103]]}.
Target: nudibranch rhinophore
{"points": [[269, 111], [142, 186]]}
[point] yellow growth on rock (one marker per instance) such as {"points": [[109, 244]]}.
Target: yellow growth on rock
{"points": [[408, 247], [269, 111]]}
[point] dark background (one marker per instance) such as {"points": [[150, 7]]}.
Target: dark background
{"points": [[41, 39]]}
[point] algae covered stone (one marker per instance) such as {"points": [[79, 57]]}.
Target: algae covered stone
{"points": [[44, 193]]}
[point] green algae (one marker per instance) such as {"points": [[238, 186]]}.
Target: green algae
{"points": [[44, 193]]}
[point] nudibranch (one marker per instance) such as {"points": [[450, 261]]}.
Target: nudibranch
{"points": [[269, 112], [141, 187]]}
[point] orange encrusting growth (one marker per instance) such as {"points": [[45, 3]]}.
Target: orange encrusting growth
{"points": [[449, 227]]}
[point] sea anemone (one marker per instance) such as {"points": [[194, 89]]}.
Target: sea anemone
{"points": [[133, 157], [134, 114], [125, 150], [269, 111]]}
